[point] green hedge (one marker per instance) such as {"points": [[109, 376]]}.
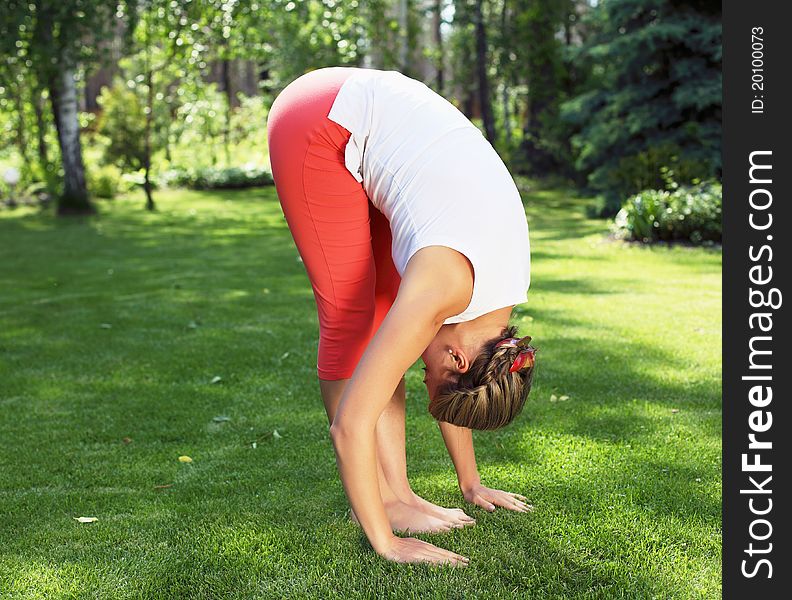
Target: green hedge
{"points": [[688, 213], [212, 178]]}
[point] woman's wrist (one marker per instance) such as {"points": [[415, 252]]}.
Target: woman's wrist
{"points": [[468, 482], [382, 546]]}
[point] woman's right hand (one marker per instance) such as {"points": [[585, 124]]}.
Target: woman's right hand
{"points": [[413, 550]]}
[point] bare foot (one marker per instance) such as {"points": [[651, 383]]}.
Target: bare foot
{"points": [[410, 519], [455, 515]]}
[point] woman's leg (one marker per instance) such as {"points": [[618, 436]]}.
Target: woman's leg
{"points": [[327, 212]]}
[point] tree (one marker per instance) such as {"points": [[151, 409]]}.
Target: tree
{"points": [[124, 121], [165, 41], [481, 73], [303, 35], [462, 45], [13, 80], [437, 53], [65, 37], [59, 38], [537, 47], [658, 102]]}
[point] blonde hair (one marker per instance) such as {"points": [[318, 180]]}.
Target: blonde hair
{"points": [[486, 396]]}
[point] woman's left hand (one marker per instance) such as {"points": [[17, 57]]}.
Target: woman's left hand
{"points": [[488, 499]]}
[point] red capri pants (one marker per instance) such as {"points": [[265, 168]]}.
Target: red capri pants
{"points": [[344, 241]]}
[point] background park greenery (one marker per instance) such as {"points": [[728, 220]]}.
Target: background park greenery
{"points": [[113, 330], [141, 321], [617, 96]]}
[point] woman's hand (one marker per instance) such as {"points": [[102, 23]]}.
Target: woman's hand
{"points": [[413, 550], [488, 499]]}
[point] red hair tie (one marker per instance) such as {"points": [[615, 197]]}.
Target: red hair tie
{"points": [[526, 355]]}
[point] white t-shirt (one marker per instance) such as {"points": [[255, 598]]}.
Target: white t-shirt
{"points": [[438, 181]]}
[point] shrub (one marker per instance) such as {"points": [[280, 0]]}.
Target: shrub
{"points": [[212, 178], [104, 182], [122, 124], [689, 213]]}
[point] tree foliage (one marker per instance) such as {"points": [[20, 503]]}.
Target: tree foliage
{"points": [[605, 93], [653, 97]]}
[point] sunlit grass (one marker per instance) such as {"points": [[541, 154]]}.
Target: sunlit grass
{"points": [[115, 326]]}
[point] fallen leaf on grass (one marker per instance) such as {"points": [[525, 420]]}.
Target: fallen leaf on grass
{"points": [[105, 325], [86, 519], [127, 440], [674, 411], [563, 398], [553, 398], [263, 436], [185, 459], [216, 379]]}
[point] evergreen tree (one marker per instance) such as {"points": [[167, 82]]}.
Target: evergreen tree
{"points": [[539, 50], [654, 95]]}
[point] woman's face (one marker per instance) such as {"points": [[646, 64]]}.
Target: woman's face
{"points": [[453, 350], [437, 360], [443, 364]]}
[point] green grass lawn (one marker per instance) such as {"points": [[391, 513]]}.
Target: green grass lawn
{"points": [[116, 326]]}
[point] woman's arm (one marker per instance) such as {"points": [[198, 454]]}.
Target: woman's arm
{"points": [[427, 296], [459, 442]]}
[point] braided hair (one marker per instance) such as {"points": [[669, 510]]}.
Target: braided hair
{"points": [[486, 396]]}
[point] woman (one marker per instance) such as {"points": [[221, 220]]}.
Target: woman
{"points": [[414, 238]]}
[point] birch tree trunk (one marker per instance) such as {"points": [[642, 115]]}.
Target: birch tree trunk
{"points": [[63, 92]]}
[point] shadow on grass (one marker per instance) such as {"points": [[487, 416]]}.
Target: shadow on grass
{"points": [[186, 301], [571, 286]]}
